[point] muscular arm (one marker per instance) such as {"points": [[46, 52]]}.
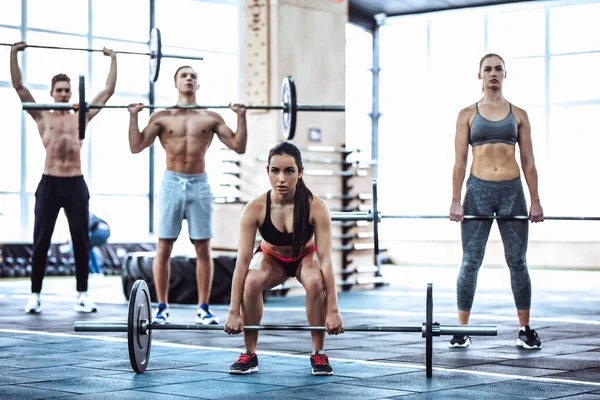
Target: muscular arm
{"points": [[17, 82], [235, 141], [527, 159], [138, 141], [109, 89], [323, 238], [461, 151], [248, 226]]}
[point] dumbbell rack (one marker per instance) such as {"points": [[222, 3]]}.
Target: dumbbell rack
{"points": [[354, 238]]}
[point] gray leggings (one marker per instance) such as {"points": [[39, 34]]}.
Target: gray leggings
{"points": [[489, 198]]}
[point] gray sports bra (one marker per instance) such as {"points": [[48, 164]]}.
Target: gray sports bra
{"points": [[485, 131]]}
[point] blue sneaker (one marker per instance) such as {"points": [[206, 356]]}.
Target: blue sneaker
{"points": [[205, 317], [161, 314]]}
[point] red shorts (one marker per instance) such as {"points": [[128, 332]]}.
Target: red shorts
{"points": [[291, 264]]}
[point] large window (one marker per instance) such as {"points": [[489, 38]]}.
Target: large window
{"points": [[118, 180], [216, 40], [429, 73], [359, 89]]}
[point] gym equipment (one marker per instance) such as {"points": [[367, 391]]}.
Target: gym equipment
{"points": [[139, 328], [289, 107], [154, 43]]}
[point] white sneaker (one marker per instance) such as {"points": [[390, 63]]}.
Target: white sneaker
{"points": [[84, 304], [161, 315], [34, 306], [205, 317]]}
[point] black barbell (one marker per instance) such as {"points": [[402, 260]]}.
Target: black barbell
{"points": [[155, 53], [289, 107], [139, 328]]}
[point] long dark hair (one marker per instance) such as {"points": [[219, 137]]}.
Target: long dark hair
{"points": [[302, 199]]}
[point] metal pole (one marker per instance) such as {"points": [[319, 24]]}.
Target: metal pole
{"points": [[375, 114], [151, 100]]}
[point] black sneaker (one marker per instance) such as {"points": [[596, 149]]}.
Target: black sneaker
{"points": [[529, 339], [246, 364], [320, 364], [460, 341]]}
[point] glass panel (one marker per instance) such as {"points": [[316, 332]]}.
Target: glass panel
{"points": [[126, 215], [525, 81], [448, 29], [132, 70], [121, 25], [574, 28], [61, 229], [43, 64], [110, 152], [525, 37], [36, 153], [198, 25], [359, 92], [455, 85], [10, 217], [10, 147], [11, 13], [217, 78], [58, 15], [359, 47], [573, 143], [403, 43], [8, 36], [569, 82]]}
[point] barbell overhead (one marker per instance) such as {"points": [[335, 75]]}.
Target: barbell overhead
{"points": [[154, 43], [289, 107], [139, 328]]}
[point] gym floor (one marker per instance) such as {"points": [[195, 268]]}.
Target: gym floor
{"points": [[41, 357]]}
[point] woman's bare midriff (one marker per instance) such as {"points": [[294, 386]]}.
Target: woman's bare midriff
{"points": [[286, 251], [495, 162]]}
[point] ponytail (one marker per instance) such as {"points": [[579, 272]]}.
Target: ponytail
{"points": [[301, 233]]}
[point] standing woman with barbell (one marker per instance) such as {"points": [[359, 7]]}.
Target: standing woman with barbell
{"points": [[62, 184], [295, 227], [493, 127]]}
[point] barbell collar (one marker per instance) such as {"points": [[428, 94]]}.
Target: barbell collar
{"points": [[323, 108], [461, 330], [100, 326]]}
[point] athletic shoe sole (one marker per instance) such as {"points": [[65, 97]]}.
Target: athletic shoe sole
{"points": [[460, 346], [321, 373], [239, 372], [207, 321], [524, 345], [84, 309]]}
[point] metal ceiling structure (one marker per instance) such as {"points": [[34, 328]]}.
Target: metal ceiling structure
{"points": [[362, 12]]}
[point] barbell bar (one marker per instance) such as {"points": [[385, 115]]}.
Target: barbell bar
{"points": [[369, 216], [139, 328], [155, 53], [289, 107], [115, 326], [501, 217]]}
